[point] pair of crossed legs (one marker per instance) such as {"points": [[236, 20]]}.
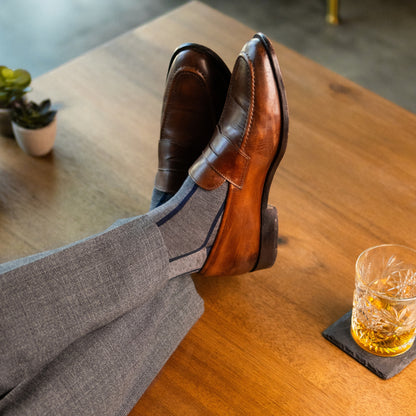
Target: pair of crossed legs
{"points": [[85, 328]]}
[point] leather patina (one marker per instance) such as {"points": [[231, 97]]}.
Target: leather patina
{"points": [[196, 87], [245, 150]]}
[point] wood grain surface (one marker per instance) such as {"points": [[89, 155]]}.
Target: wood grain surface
{"points": [[347, 182]]}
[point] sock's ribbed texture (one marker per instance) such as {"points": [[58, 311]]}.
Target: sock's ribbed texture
{"points": [[189, 223]]}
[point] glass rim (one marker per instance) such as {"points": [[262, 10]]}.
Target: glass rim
{"points": [[380, 294]]}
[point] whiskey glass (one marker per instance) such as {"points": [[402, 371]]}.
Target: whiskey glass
{"points": [[383, 320]]}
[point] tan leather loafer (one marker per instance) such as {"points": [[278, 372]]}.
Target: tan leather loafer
{"points": [[245, 150], [196, 87]]}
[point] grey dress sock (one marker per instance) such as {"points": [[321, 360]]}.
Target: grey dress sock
{"points": [[188, 223], [159, 198]]}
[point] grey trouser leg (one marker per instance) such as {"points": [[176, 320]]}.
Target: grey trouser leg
{"points": [[88, 300], [106, 372]]}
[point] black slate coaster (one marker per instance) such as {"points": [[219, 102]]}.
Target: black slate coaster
{"points": [[384, 367]]}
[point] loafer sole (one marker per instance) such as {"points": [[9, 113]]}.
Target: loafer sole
{"points": [[269, 225]]}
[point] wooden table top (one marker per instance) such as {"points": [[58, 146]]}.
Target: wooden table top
{"points": [[347, 182]]}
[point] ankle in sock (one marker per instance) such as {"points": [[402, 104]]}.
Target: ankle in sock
{"points": [[189, 223], [159, 198]]}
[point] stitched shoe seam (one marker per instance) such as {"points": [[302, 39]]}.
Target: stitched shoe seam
{"points": [[252, 85]]}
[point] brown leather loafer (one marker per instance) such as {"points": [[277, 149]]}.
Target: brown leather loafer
{"points": [[196, 87], [245, 150]]}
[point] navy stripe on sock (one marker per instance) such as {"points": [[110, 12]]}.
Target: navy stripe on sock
{"points": [[211, 230], [178, 208], [188, 272]]}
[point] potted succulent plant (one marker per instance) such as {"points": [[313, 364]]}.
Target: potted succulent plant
{"points": [[13, 86], [34, 126]]}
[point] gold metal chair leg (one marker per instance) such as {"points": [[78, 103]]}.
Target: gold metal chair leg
{"points": [[332, 12]]}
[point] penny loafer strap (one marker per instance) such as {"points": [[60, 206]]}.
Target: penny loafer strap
{"points": [[221, 161]]}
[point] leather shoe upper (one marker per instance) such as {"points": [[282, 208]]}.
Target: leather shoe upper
{"points": [[196, 87], [245, 149]]}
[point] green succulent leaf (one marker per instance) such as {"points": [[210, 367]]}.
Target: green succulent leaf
{"points": [[21, 78], [18, 77], [6, 73], [13, 85]]}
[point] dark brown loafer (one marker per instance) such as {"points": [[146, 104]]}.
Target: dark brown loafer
{"points": [[196, 87], [245, 150]]}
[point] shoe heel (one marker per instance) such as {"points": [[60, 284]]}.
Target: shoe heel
{"points": [[268, 239]]}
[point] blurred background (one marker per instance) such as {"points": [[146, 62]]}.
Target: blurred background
{"points": [[374, 45]]}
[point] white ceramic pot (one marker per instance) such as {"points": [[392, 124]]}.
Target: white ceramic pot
{"points": [[5, 123], [35, 142]]}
